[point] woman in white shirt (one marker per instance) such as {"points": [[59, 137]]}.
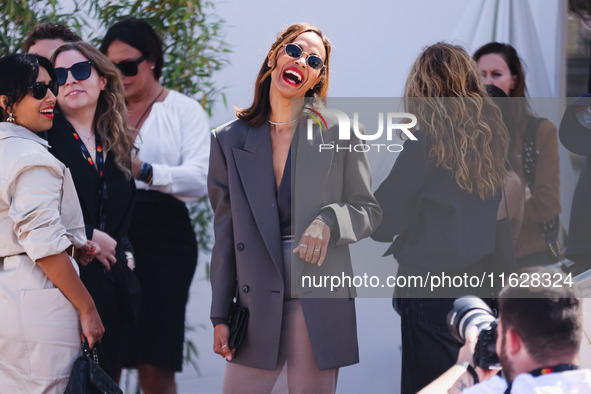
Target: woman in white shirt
{"points": [[41, 296], [170, 170]]}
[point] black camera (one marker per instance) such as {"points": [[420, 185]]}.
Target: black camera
{"points": [[472, 311]]}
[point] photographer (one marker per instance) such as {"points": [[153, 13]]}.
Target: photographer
{"points": [[539, 333]]}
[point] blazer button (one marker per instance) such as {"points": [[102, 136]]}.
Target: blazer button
{"points": [[240, 246], [245, 289]]}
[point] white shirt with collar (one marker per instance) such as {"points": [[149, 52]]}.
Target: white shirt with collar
{"points": [[175, 140], [568, 382]]}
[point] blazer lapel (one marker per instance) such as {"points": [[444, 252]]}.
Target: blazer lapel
{"points": [[255, 168]]}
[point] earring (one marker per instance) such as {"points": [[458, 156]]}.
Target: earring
{"points": [[11, 118], [151, 67]]}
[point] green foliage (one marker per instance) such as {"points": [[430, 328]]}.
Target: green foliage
{"points": [[20, 16], [202, 218]]}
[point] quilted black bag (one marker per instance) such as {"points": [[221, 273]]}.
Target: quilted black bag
{"points": [[87, 377]]}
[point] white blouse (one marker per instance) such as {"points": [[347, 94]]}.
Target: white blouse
{"points": [[39, 210], [174, 139]]}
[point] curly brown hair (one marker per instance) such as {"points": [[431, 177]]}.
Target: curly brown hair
{"points": [[110, 117], [465, 129]]}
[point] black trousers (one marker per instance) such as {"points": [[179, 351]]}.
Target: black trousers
{"points": [[428, 349]]}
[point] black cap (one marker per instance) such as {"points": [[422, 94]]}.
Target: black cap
{"points": [[575, 127]]}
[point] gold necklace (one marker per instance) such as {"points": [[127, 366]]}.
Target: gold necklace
{"points": [[87, 138]]}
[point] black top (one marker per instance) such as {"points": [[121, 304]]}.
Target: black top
{"points": [[440, 226], [284, 198], [120, 190]]}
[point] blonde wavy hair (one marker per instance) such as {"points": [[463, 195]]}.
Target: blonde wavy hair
{"points": [[110, 117], [465, 129]]}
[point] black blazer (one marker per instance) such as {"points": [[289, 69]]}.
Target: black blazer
{"points": [[439, 225]]}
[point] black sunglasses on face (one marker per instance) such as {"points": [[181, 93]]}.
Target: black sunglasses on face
{"points": [[294, 51], [129, 67], [39, 89], [80, 72]]}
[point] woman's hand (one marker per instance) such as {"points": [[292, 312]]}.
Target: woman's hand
{"points": [[314, 242], [221, 333], [87, 253], [92, 326], [107, 246]]}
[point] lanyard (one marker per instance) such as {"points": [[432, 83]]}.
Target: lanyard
{"points": [[100, 165], [547, 370]]}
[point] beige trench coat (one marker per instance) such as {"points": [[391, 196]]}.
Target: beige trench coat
{"points": [[39, 216]]}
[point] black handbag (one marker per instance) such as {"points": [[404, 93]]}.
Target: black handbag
{"points": [[238, 322], [87, 377], [554, 233]]}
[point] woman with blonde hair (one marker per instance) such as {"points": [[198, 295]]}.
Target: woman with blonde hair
{"points": [[91, 136], [256, 162], [441, 199]]}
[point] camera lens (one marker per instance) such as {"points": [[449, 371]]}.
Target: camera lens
{"points": [[468, 311]]}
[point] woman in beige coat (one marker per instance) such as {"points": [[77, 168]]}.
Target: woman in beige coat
{"points": [[43, 303]]}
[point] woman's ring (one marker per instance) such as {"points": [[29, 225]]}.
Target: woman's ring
{"points": [[224, 346], [303, 245], [316, 250]]}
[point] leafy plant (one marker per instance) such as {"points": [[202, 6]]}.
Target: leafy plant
{"points": [[20, 16]]}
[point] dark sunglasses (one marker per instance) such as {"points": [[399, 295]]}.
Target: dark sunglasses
{"points": [[80, 72], [39, 89], [294, 51], [129, 67]]}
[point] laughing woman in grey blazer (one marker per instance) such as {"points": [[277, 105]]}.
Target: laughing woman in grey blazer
{"points": [[254, 162]]}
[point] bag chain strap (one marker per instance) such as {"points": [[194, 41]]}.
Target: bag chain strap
{"points": [[529, 161]]}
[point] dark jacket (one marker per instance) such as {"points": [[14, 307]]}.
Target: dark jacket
{"points": [[439, 225]]}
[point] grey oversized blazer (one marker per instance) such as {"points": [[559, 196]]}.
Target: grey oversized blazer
{"points": [[247, 252]]}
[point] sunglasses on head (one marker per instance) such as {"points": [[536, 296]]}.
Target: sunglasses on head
{"points": [[39, 89], [129, 67], [294, 51], [80, 72]]}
